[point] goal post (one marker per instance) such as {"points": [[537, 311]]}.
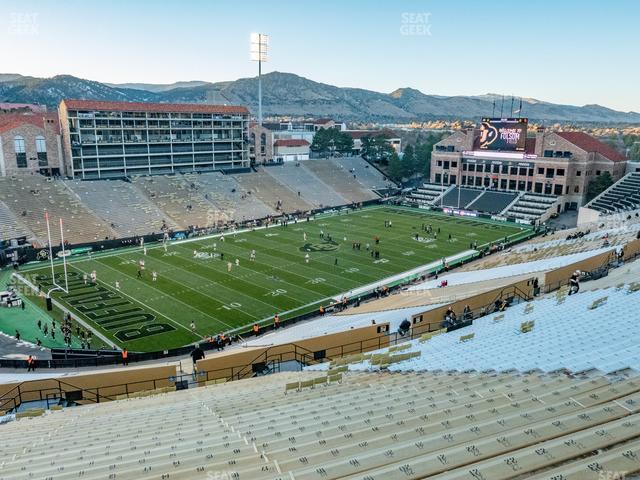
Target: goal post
{"points": [[63, 254]]}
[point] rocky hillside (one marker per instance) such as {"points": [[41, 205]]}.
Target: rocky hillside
{"points": [[289, 94]]}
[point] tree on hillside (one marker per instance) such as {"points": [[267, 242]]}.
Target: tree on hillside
{"points": [[598, 185]]}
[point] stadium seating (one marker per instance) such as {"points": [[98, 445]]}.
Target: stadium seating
{"points": [[367, 175], [575, 333], [622, 196], [531, 206], [10, 226], [229, 196], [365, 425], [121, 205], [492, 202], [340, 179], [511, 270], [180, 199], [270, 191], [466, 196], [29, 197], [427, 194], [311, 188]]}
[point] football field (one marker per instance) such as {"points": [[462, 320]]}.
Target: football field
{"points": [[210, 284]]}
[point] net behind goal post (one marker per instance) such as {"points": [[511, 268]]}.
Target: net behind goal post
{"points": [[63, 253]]}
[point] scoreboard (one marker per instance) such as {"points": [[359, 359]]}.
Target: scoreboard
{"points": [[503, 134]]}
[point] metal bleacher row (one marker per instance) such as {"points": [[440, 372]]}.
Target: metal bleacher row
{"points": [[30, 196], [10, 226], [528, 206], [531, 206], [622, 196], [427, 193], [115, 208], [366, 426], [311, 188], [564, 337]]}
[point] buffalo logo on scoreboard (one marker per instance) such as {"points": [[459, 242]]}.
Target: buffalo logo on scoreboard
{"points": [[506, 134]]}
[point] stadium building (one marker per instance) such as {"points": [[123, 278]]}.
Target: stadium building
{"points": [[119, 139], [29, 142], [550, 163]]}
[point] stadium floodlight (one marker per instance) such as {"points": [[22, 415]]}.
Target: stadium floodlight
{"points": [[259, 45]]}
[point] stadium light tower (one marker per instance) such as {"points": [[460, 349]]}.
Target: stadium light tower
{"points": [[259, 44]]}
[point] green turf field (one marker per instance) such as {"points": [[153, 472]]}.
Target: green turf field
{"points": [[194, 284]]}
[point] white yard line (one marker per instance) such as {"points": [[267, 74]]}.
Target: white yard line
{"points": [[142, 303]]}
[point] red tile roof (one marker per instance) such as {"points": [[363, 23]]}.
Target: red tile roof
{"points": [[153, 107], [291, 142], [591, 144], [322, 121], [12, 121], [23, 106]]}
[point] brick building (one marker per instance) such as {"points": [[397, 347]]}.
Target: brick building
{"points": [[553, 163], [291, 150], [30, 142]]}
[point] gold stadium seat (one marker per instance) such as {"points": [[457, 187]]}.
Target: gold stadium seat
{"points": [[467, 337]]}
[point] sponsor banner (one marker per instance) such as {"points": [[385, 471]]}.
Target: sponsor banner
{"points": [[461, 213]]}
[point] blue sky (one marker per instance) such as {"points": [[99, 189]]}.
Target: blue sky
{"points": [[564, 51]]}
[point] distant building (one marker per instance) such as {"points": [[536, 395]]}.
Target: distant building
{"points": [[262, 139], [118, 139], [358, 135], [552, 163], [22, 107], [260, 143], [291, 150], [30, 143]]}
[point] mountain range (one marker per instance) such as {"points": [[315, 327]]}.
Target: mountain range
{"points": [[287, 94]]}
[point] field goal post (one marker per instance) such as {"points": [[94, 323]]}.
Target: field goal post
{"points": [[62, 254]]}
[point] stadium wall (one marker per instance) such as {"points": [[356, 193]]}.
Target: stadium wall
{"points": [[431, 320], [632, 249], [95, 386], [587, 215], [556, 278], [238, 364]]}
